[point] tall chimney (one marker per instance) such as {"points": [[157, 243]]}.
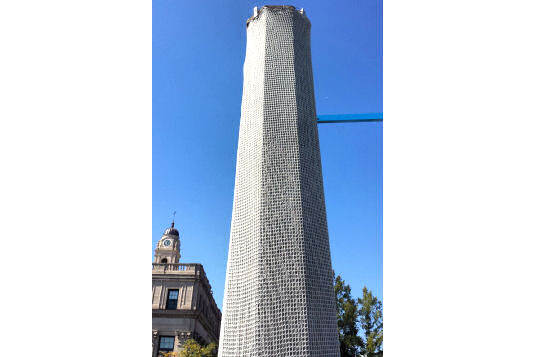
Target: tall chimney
{"points": [[279, 296]]}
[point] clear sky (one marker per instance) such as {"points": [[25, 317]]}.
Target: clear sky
{"points": [[198, 54]]}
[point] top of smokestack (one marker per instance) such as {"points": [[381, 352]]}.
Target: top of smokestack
{"points": [[257, 11]]}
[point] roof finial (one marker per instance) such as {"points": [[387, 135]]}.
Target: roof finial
{"points": [[173, 218]]}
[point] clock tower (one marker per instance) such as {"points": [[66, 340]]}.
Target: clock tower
{"points": [[182, 303], [168, 247]]}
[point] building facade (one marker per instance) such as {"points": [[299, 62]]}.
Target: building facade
{"points": [[182, 302], [279, 296]]}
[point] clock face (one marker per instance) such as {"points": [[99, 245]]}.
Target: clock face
{"points": [[167, 242]]}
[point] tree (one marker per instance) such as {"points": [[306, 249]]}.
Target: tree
{"points": [[370, 313], [192, 348], [347, 312]]}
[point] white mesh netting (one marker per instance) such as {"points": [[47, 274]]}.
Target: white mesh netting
{"points": [[279, 298]]}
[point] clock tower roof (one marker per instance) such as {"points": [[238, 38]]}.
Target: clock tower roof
{"points": [[172, 231]]}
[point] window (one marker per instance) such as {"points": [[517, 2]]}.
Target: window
{"points": [[164, 261], [166, 344], [172, 302]]}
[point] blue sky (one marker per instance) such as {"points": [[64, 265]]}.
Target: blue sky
{"points": [[198, 54]]}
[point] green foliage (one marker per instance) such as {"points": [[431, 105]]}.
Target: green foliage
{"points": [[347, 312], [168, 354], [370, 312], [193, 349], [365, 313]]}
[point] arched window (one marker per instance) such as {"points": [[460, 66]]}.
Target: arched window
{"points": [[164, 261]]}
